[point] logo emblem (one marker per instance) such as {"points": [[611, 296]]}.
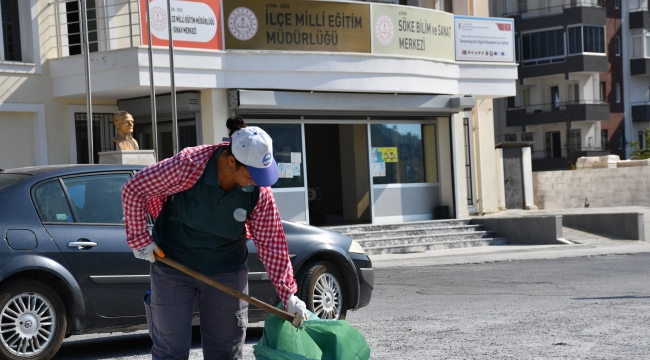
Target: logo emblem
{"points": [[158, 18], [384, 29], [28, 324], [266, 160], [240, 215], [242, 23]]}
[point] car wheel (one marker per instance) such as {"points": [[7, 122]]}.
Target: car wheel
{"points": [[32, 320], [320, 287]]}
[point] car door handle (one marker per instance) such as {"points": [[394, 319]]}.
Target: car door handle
{"points": [[81, 244]]}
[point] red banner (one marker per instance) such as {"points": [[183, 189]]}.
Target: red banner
{"points": [[196, 24]]}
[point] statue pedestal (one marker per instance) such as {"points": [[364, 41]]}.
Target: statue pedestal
{"points": [[127, 157]]}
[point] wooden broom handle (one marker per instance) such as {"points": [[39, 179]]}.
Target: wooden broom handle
{"points": [[295, 320]]}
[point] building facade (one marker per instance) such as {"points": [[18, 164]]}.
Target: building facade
{"points": [[637, 79], [374, 117], [570, 94]]}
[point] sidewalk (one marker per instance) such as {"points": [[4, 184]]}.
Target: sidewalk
{"points": [[587, 244]]}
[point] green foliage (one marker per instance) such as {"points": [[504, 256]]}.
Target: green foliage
{"points": [[637, 152]]}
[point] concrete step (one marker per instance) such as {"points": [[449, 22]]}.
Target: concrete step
{"points": [[347, 229], [461, 229], [424, 239], [414, 248]]}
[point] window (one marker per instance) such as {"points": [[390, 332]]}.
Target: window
{"points": [[617, 4], [8, 179], [618, 46], [618, 92], [11, 41], [620, 139], [602, 91], [97, 199], [51, 203], [103, 133], [576, 139], [573, 92], [638, 36], [510, 102], [75, 26], [511, 137], [527, 137], [641, 140], [526, 97], [604, 139], [397, 153], [543, 45], [586, 39], [287, 151]]}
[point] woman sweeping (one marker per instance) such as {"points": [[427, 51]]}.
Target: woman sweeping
{"points": [[206, 201]]}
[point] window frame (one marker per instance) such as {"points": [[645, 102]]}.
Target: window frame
{"points": [[506, 136], [582, 50], [75, 217], [618, 45], [532, 60], [618, 93]]}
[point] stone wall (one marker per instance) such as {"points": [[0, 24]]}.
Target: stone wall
{"points": [[622, 186]]}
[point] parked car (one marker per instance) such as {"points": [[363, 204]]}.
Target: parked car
{"points": [[66, 268]]}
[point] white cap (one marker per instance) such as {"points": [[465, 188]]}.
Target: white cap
{"points": [[253, 147]]}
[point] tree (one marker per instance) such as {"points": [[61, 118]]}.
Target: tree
{"points": [[637, 152]]}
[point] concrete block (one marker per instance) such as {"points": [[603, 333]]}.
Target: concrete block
{"points": [[633, 163], [127, 157]]}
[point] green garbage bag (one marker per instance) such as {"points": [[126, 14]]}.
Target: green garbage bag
{"points": [[315, 340]]}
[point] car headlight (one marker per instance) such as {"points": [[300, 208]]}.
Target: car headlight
{"points": [[356, 248]]}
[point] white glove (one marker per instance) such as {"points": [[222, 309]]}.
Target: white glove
{"points": [[146, 253], [297, 307]]}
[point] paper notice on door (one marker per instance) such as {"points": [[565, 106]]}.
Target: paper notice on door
{"points": [[288, 170], [296, 169], [375, 169], [382, 169], [296, 158], [282, 170]]}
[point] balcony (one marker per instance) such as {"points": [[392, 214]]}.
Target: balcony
{"points": [[565, 13], [639, 15], [557, 113], [640, 66], [558, 159], [569, 64], [641, 111]]}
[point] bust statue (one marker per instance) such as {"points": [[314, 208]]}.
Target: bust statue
{"points": [[123, 122]]}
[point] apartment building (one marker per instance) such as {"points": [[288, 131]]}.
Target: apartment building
{"points": [[570, 92], [637, 62]]}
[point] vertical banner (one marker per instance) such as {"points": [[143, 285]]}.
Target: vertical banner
{"points": [[297, 25], [196, 24], [484, 39], [409, 31]]}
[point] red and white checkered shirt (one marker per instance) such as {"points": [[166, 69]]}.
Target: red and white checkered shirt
{"points": [[147, 191]]}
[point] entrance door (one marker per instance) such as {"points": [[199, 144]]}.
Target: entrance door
{"points": [[513, 174], [187, 136], [338, 173], [555, 98], [553, 145]]}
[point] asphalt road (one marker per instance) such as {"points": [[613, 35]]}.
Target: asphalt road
{"points": [[576, 308]]}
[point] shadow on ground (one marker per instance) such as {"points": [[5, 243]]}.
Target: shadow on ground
{"points": [[126, 345]]}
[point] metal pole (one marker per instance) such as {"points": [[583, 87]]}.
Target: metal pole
{"points": [[568, 142], [154, 124], [89, 108], [58, 37], [171, 75]]}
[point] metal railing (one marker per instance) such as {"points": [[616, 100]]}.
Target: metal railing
{"points": [[111, 25], [519, 7], [563, 153], [555, 106]]}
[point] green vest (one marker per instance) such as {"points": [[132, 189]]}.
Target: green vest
{"points": [[203, 227]]}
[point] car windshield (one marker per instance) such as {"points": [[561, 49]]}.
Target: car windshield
{"points": [[8, 179]]}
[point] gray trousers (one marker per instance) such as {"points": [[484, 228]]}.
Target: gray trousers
{"points": [[223, 317]]}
